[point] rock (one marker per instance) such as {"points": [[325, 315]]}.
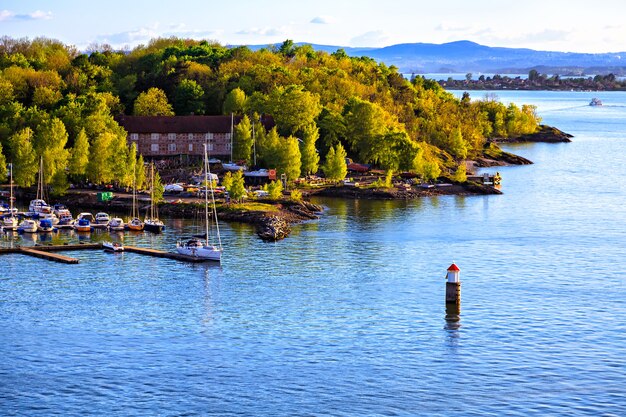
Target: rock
{"points": [[273, 228], [547, 134]]}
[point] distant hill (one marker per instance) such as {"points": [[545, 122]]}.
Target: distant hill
{"points": [[466, 56]]}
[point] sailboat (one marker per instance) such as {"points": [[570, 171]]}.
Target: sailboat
{"points": [[39, 206], [135, 223], [152, 223], [9, 223], [197, 247]]}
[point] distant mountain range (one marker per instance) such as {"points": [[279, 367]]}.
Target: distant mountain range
{"points": [[466, 56]]}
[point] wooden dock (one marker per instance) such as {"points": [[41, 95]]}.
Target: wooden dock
{"points": [[47, 252], [161, 254]]}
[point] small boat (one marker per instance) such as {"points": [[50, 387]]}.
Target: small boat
{"points": [[83, 222], [116, 224], [45, 226], [39, 206], [595, 102], [153, 223], [102, 220], [9, 222], [27, 226], [65, 221], [113, 247], [135, 224]]}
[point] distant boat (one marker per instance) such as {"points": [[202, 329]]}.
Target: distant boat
{"points": [[135, 224], [595, 102], [9, 223], [102, 219], [113, 247], [153, 223], [45, 226]]}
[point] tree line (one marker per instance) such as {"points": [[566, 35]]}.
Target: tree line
{"points": [[59, 104]]}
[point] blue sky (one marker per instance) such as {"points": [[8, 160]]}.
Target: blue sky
{"points": [[573, 25]]}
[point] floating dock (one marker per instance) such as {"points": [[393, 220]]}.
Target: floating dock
{"points": [[47, 252]]}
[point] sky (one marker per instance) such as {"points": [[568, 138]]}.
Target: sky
{"points": [[555, 25]]}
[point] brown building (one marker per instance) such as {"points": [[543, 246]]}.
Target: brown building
{"points": [[162, 136]]}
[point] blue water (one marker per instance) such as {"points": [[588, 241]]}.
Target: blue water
{"points": [[347, 317]]}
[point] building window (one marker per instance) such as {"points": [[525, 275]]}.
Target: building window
{"points": [[209, 147], [171, 136], [190, 136], [208, 136], [154, 147], [228, 146], [191, 146], [154, 136], [134, 136], [171, 147]]}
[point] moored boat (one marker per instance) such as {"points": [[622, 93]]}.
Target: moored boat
{"points": [[595, 102], [116, 224], [113, 247], [45, 226], [83, 222], [27, 226], [102, 220]]}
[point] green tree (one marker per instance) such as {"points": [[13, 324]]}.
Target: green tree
{"points": [[50, 144], [79, 155], [99, 169], [308, 151], [275, 190], [334, 166], [152, 103], [238, 188], [188, 98], [235, 102], [157, 188], [24, 159], [227, 181], [293, 108], [242, 143], [3, 165], [140, 173], [458, 146], [131, 166], [460, 175], [288, 158]]}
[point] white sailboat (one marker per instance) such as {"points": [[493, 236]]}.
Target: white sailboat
{"points": [[39, 206], [197, 247], [9, 223], [152, 223], [135, 222]]}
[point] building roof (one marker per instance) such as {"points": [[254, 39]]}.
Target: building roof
{"points": [[183, 124], [454, 268]]}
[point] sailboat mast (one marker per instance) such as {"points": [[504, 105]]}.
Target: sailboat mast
{"points": [[152, 190], [11, 186], [206, 196]]}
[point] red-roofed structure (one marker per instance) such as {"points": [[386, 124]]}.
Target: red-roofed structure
{"points": [[453, 267], [160, 136]]}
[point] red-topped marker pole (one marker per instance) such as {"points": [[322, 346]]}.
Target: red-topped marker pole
{"points": [[453, 285]]}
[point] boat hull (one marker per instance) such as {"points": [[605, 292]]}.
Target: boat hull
{"points": [[210, 253], [153, 227]]}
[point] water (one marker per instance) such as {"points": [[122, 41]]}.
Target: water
{"points": [[347, 316]]}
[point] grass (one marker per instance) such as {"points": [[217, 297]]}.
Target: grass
{"points": [[252, 206]]}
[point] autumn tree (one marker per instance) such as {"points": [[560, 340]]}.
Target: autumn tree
{"points": [[235, 102], [293, 108], [79, 155], [152, 103]]}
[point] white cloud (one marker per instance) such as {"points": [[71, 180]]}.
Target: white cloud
{"points": [[372, 38], [266, 31], [323, 20], [36, 15], [144, 34]]}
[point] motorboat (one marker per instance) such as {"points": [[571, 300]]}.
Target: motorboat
{"points": [[83, 222], [45, 226], [102, 220], [27, 226], [116, 224], [37, 206], [595, 102], [113, 247]]}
